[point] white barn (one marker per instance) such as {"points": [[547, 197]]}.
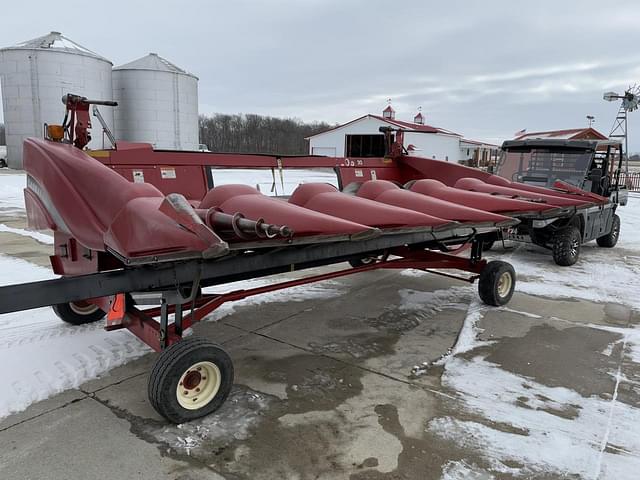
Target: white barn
{"points": [[361, 138]]}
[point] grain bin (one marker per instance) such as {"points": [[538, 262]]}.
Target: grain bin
{"points": [[157, 103], [36, 74]]}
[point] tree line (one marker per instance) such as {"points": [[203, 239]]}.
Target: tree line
{"points": [[253, 133]]}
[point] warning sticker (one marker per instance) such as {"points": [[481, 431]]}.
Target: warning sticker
{"points": [[168, 173], [138, 176], [359, 173]]}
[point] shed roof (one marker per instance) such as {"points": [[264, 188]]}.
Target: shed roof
{"points": [[567, 134], [479, 143], [408, 126]]}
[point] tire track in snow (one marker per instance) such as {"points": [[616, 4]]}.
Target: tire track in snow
{"points": [[44, 356]]}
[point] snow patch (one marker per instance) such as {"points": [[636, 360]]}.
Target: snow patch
{"points": [[461, 470], [48, 356], [40, 237], [320, 290], [242, 410], [55, 356], [11, 195], [541, 429], [538, 275]]}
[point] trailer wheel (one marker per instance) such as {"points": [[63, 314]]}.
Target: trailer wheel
{"points": [[566, 246], [78, 313], [190, 379], [610, 239], [361, 262], [497, 283]]}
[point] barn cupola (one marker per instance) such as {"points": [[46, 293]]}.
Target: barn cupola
{"points": [[419, 119], [389, 113]]}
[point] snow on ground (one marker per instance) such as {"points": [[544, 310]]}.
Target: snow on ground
{"points": [[461, 470], [40, 237], [272, 182], [555, 430], [601, 274], [42, 356], [11, 196], [48, 356], [534, 430]]}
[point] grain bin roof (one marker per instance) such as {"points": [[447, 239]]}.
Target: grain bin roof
{"points": [[57, 42], [154, 62]]}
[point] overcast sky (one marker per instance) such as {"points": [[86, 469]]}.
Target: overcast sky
{"points": [[485, 69]]}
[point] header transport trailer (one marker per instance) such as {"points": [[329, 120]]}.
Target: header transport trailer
{"points": [[138, 234]]}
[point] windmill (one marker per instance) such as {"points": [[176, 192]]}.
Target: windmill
{"points": [[630, 100]]}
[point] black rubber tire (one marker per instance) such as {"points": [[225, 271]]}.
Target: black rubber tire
{"points": [[566, 246], [74, 317], [360, 262], [173, 363], [491, 287], [3, 163], [610, 239]]}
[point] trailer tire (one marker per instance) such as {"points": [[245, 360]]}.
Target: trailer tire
{"points": [[78, 313], [610, 239], [190, 379], [361, 262], [497, 283], [566, 246]]}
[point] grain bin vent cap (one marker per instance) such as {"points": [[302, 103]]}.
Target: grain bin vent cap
{"points": [[156, 63], [55, 41]]}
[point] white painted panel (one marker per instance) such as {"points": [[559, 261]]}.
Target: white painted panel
{"points": [[326, 151]]}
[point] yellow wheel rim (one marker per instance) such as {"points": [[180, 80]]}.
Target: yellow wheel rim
{"points": [[83, 307], [504, 284], [198, 385]]}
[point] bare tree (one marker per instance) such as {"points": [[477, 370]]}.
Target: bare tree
{"points": [[253, 133]]}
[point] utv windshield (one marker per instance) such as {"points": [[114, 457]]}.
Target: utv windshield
{"points": [[543, 167]]}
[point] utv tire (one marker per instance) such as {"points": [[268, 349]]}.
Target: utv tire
{"points": [[78, 313], [190, 379], [610, 239], [566, 246], [497, 283]]}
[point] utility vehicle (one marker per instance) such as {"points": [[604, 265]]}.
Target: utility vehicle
{"points": [[568, 166]]}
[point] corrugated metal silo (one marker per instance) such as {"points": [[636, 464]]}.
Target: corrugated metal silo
{"points": [[157, 103], [36, 74]]}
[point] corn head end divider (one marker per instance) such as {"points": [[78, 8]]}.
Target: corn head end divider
{"points": [[140, 232]]}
